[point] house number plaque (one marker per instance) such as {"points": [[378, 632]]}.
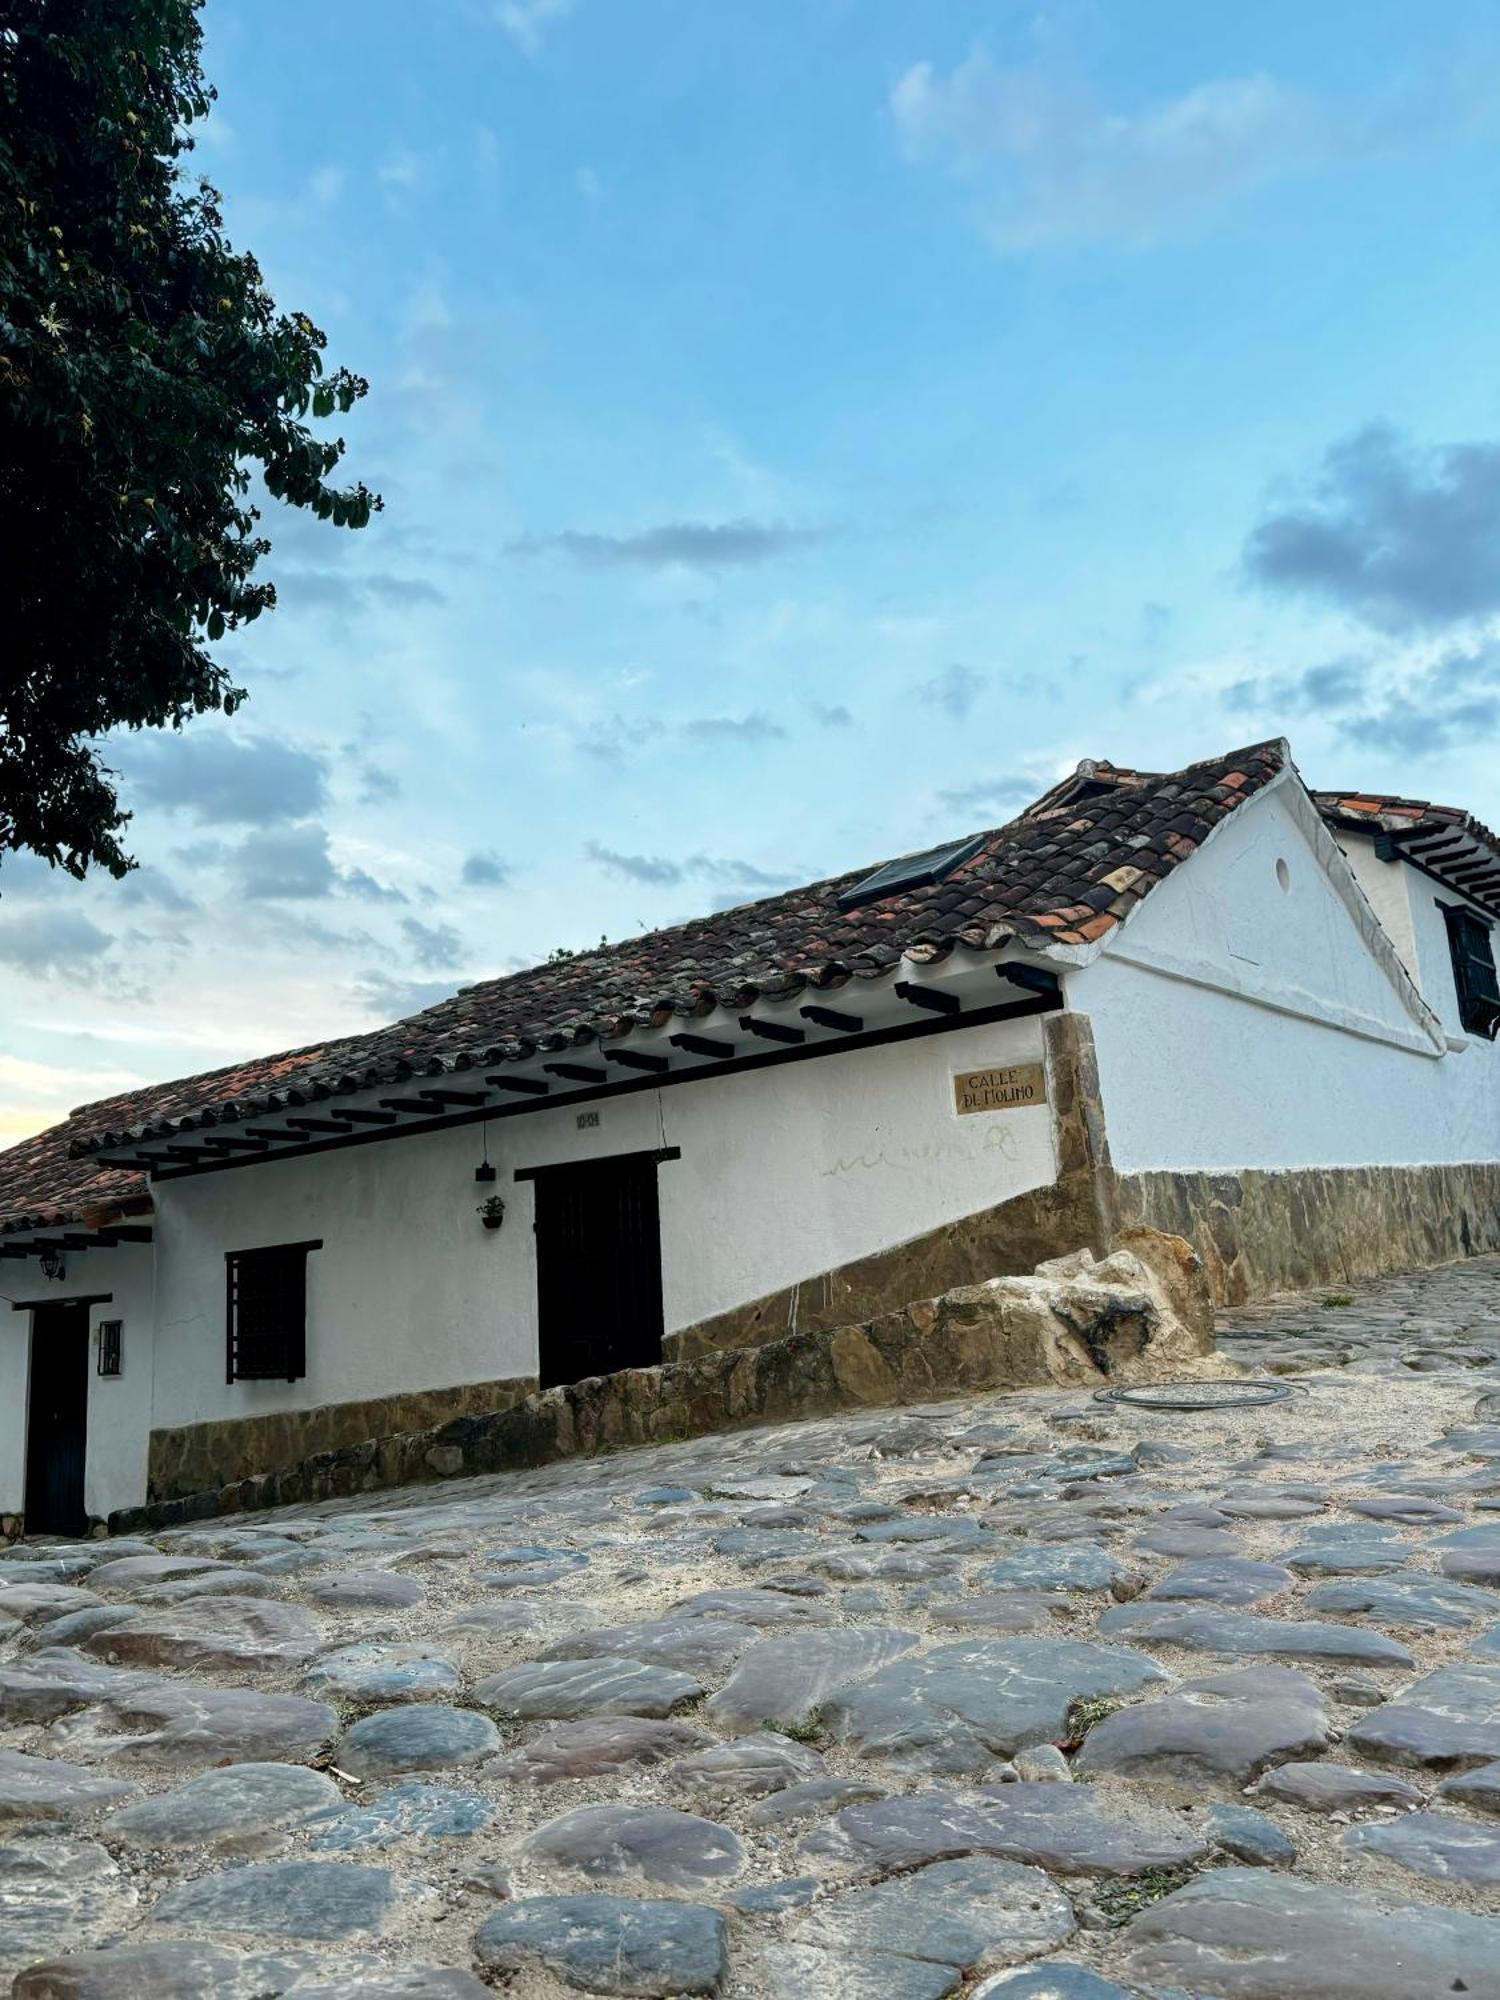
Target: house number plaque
{"points": [[1011, 1089]]}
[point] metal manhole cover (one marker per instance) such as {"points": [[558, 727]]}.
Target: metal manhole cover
{"points": [[1196, 1395]]}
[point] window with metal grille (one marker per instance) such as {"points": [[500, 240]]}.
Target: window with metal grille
{"points": [[1474, 977], [111, 1346], [266, 1313]]}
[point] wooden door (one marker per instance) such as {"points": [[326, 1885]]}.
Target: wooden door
{"points": [[598, 1261], [57, 1420]]}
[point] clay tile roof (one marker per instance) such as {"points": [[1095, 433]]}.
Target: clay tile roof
{"points": [[1444, 840], [1065, 871]]}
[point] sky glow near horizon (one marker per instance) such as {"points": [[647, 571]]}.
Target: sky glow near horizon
{"points": [[806, 428]]}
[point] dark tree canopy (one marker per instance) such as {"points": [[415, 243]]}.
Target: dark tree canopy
{"points": [[146, 380]]}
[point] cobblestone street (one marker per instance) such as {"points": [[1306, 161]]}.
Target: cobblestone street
{"points": [[1032, 1697]]}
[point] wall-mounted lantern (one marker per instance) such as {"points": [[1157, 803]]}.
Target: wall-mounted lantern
{"points": [[491, 1212], [52, 1265]]}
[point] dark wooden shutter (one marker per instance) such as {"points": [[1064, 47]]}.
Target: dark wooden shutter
{"points": [[266, 1313], [57, 1426], [1474, 975], [598, 1255]]}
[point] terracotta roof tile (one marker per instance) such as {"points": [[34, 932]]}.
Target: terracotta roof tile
{"points": [[1051, 875], [1449, 842]]}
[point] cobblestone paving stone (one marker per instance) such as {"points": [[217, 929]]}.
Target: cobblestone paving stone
{"points": [[1026, 1695]]}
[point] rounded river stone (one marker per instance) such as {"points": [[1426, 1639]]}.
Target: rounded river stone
{"points": [[676, 1849], [374, 1672], [238, 1633], [1330, 1788], [177, 1724], [43, 1788], [1254, 1934], [961, 1707], [693, 1645], [1191, 1738], [239, 1803], [1222, 1580], [1072, 1829], [597, 1745], [747, 1768], [920, 1934], [1056, 1566], [564, 1689], [1244, 1632], [1447, 1719], [423, 1736], [610, 1944], [364, 1590], [297, 1899], [1439, 1845], [786, 1680], [1057, 1980], [413, 1811]]}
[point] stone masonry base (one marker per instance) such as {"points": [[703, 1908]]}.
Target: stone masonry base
{"points": [[194, 1457], [1259, 1233], [1144, 1312]]}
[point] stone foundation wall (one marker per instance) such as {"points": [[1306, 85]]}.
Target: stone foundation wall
{"points": [[1004, 1241], [1144, 1312], [1259, 1233], [193, 1458]]}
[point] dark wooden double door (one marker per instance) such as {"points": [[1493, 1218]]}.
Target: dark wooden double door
{"points": [[598, 1266], [57, 1420]]}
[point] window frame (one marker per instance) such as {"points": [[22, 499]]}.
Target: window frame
{"points": [[1476, 979], [279, 1287], [110, 1359]]}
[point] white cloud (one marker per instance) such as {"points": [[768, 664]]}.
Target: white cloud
{"points": [[1059, 165], [525, 21], [325, 186]]}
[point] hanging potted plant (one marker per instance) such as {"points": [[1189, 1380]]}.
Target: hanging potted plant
{"points": [[491, 1211]]}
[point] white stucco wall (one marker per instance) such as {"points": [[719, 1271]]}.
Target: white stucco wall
{"points": [[119, 1407], [1386, 884], [1240, 1024], [784, 1172]]}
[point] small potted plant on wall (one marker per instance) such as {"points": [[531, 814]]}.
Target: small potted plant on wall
{"points": [[491, 1211]]}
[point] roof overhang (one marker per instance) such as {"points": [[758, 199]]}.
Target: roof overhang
{"points": [[910, 1000]]}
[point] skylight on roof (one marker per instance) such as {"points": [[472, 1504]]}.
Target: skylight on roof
{"points": [[912, 871]]}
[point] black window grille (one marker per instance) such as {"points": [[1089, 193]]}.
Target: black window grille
{"points": [[111, 1347], [1474, 978], [266, 1313]]}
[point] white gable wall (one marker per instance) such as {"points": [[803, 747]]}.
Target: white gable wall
{"points": [[1243, 1024]]}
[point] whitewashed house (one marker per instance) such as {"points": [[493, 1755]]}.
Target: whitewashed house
{"points": [[1208, 1001]]}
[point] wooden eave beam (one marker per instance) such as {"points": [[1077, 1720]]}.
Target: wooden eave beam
{"points": [[274, 1132], [933, 998], [637, 1059], [772, 1031], [829, 1017], [576, 1072], [524, 1086], [702, 1045], [417, 1106], [362, 1117], [1034, 978], [460, 1097], [318, 1125]]}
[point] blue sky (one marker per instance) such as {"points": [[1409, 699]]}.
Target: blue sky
{"points": [[806, 428]]}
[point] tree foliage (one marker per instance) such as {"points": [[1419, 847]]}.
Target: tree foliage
{"points": [[147, 380]]}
